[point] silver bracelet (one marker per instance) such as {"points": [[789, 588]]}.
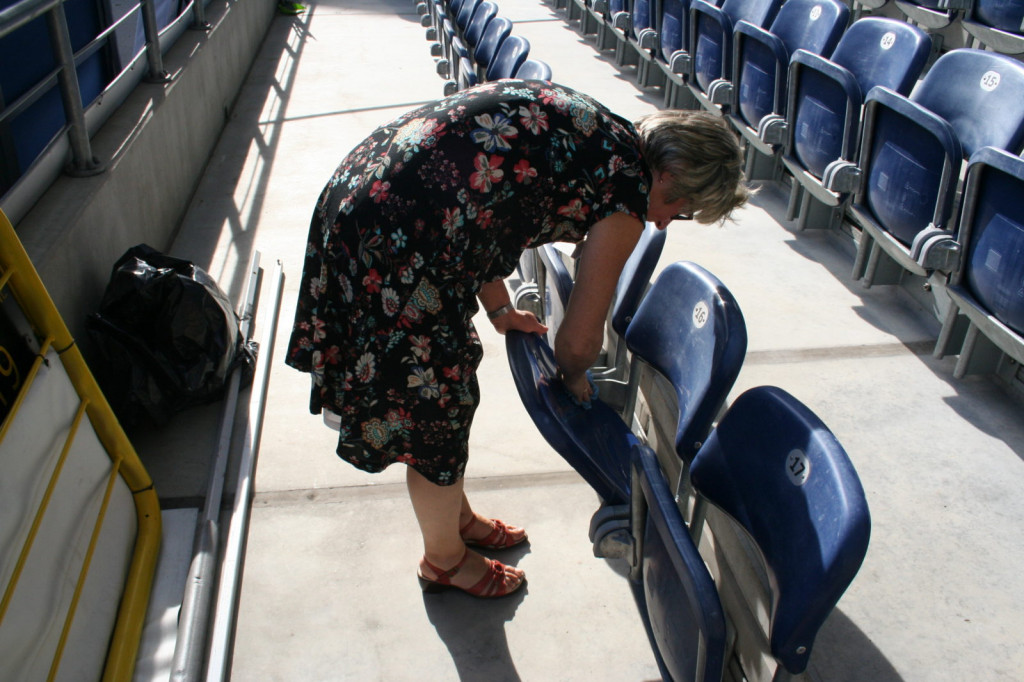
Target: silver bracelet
{"points": [[507, 308]]}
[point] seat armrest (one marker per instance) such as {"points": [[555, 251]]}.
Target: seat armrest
{"points": [[648, 39], [680, 62], [622, 21], [936, 249], [772, 129], [842, 177]]}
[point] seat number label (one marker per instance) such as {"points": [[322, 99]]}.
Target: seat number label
{"points": [[990, 81], [798, 467], [700, 314]]}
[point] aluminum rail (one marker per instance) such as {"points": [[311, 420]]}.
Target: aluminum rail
{"points": [[234, 549], [194, 618]]}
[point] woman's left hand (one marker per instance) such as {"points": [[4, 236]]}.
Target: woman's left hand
{"points": [[519, 320]]}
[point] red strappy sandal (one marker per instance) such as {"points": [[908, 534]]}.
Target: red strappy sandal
{"points": [[488, 587], [500, 536]]}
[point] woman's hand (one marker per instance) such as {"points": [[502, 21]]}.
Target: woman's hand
{"points": [[519, 320], [579, 387]]}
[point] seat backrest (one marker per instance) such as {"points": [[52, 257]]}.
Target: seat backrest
{"points": [[497, 30], [485, 11], [465, 13], [675, 593], [711, 31], [534, 69], [673, 33], [992, 232], [558, 284], [981, 94], [761, 66], [513, 52], [636, 277], [826, 96], [1005, 15], [779, 473], [812, 25], [690, 330], [881, 51], [641, 14]]}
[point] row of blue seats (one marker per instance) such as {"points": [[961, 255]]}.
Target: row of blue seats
{"points": [[769, 465], [845, 112], [474, 44]]}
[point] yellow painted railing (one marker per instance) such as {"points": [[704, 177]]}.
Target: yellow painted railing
{"points": [[20, 281]]}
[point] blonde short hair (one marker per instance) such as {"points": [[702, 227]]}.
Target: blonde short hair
{"points": [[703, 157]]}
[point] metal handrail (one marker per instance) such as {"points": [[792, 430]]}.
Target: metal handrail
{"points": [[83, 161]]}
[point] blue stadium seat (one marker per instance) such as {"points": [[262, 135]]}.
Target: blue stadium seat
{"points": [[996, 24], [594, 441], [497, 31], [633, 284], [758, 84], [485, 11], [711, 37], [673, 54], [534, 69], [985, 290], [465, 14], [912, 155], [689, 329], [825, 101], [932, 15], [513, 52], [603, 14], [640, 40], [775, 470], [673, 589]]}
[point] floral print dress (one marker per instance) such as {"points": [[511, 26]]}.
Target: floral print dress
{"points": [[423, 212]]}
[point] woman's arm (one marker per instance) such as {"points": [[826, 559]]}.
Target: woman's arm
{"points": [[495, 300], [581, 335]]}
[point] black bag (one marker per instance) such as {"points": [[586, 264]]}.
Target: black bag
{"points": [[168, 337]]}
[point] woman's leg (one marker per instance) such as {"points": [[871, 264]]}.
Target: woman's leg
{"points": [[438, 509]]}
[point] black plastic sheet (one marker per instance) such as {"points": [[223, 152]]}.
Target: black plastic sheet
{"points": [[168, 336]]}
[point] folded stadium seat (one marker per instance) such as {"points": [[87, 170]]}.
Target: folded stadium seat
{"points": [[985, 290], [603, 13], [535, 70], [457, 57], [860, 7], [442, 48], [644, 39], [689, 330], [640, 41], [485, 11], [772, 473], [933, 16], [824, 106], [495, 33], [513, 52], [618, 387], [711, 31], [674, 591], [996, 24], [760, 69], [464, 15], [912, 153], [674, 52]]}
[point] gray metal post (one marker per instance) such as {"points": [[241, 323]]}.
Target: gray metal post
{"points": [[154, 58], [82, 160]]}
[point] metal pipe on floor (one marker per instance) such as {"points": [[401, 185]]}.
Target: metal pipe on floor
{"points": [[221, 640]]}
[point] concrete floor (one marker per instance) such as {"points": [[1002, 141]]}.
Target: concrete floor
{"points": [[329, 589]]}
